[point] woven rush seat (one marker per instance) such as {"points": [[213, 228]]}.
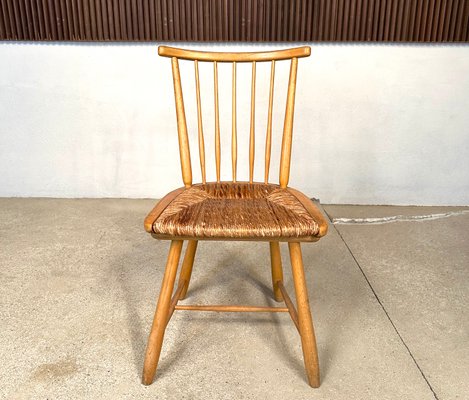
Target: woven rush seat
{"points": [[239, 211]]}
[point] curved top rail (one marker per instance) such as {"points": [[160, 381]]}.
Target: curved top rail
{"points": [[259, 56]]}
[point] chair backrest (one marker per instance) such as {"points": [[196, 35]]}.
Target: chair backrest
{"points": [[234, 58]]}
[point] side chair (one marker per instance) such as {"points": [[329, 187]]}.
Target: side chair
{"points": [[235, 210]]}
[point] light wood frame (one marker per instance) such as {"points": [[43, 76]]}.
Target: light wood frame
{"points": [[167, 301]]}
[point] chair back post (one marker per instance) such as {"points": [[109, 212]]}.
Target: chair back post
{"points": [[234, 58], [285, 158], [184, 150]]}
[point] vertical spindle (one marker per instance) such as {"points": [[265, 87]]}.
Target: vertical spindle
{"points": [[252, 130], [268, 138], [199, 123], [234, 138], [217, 121]]}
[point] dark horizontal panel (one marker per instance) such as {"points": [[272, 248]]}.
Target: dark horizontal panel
{"points": [[236, 20]]}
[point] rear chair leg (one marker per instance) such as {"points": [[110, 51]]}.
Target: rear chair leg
{"points": [[186, 270], [308, 340], [277, 273], [155, 340]]}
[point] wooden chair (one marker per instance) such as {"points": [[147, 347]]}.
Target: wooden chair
{"points": [[235, 210]]}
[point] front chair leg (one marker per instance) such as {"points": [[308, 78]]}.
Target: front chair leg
{"points": [[305, 322], [155, 340], [277, 273], [187, 263]]}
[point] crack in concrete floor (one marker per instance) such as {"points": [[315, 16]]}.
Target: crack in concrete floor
{"points": [[396, 218]]}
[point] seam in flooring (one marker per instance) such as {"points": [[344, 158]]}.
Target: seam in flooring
{"points": [[382, 306]]}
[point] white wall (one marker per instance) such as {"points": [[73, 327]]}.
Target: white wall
{"points": [[375, 124]]}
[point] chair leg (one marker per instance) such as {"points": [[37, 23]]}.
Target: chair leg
{"points": [[305, 321], [186, 270], [155, 340], [277, 273]]}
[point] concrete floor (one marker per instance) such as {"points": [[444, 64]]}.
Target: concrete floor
{"points": [[79, 279]]}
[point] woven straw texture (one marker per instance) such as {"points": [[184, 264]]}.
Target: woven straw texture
{"points": [[236, 210]]}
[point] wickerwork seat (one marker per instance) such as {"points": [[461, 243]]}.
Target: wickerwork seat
{"points": [[240, 211]]}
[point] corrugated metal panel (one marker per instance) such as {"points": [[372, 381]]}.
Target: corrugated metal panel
{"points": [[236, 20]]}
